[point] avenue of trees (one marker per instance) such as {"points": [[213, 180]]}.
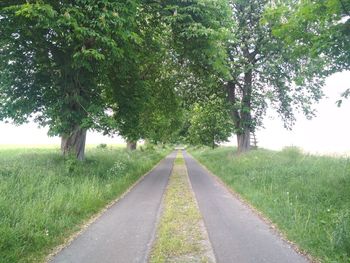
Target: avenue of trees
{"points": [[166, 71]]}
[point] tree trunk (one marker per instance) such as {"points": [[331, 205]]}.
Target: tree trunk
{"points": [[231, 91], [243, 141], [131, 145], [243, 136], [74, 143], [213, 142]]}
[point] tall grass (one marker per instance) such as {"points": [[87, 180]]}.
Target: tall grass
{"points": [[308, 197], [44, 198]]}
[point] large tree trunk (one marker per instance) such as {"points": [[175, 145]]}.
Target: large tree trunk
{"points": [[74, 143], [243, 136], [242, 118], [131, 145], [243, 141]]}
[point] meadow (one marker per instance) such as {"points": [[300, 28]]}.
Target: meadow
{"points": [[306, 196], [44, 198]]}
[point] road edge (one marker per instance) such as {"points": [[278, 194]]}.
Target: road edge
{"points": [[84, 225], [274, 228]]}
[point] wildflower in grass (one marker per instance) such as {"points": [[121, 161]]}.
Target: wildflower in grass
{"points": [[117, 169]]}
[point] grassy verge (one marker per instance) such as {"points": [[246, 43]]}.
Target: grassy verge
{"points": [[181, 236], [44, 198], [307, 197]]}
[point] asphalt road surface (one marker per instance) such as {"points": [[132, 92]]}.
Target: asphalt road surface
{"points": [[124, 232], [236, 233]]}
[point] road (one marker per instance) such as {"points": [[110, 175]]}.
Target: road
{"points": [[236, 233], [125, 231]]}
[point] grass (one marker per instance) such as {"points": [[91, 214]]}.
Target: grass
{"points": [[44, 198], [180, 236], [307, 197]]}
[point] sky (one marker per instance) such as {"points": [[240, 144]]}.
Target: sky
{"points": [[327, 133]]}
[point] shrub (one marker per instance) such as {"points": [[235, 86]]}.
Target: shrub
{"points": [[292, 152], [102, 146]]}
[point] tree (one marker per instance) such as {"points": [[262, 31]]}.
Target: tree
{"points": [[264, 71], [53, 58], [199, 29], [198, 32], [69, 63], [315, 29], [162, 120], [174, 37], [143, 101], [210, 122]]}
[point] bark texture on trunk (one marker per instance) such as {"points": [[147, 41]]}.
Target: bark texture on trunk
{"points": [[242, 118], [131, 145], [243, 141], [231, 91], [243, 136], [74, 143]]}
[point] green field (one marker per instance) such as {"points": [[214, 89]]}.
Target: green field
{"points": [[45, 198], [307, 197]]}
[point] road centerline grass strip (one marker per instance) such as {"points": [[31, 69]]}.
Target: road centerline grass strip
{"points": [[181, 235]]}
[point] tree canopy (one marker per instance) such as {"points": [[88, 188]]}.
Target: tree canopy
{"points": [[145, 69], [267, 71], [53, 61], [69, 64], [210, 122], [315, 29]]}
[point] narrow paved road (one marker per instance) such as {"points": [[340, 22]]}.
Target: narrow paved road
{"points": [[236, 233], [124, 232]]}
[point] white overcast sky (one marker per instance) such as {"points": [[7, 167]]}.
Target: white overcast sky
{"points": [[329, 132]]}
